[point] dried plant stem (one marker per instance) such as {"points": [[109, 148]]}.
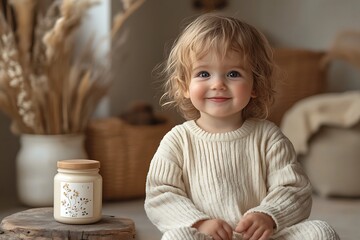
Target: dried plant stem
{"points": [[84, 87], [40, 103], [345, 47], [120, 18], [44, 25], [65, 106], [24, 12], [93, 97], [9, 18]]}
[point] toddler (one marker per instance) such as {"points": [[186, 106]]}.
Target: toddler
{"points": [[226, 173]]}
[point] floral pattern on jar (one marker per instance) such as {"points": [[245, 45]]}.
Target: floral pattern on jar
{"points": [[76, 200]]}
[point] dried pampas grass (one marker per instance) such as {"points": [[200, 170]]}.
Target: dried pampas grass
{"points": [[24, 13], [129, 7], [346, 46], [72, 12], [44, 89]]}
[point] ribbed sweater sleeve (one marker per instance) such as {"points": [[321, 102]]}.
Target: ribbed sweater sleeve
{"points": [[167, 204], [288, 200]]}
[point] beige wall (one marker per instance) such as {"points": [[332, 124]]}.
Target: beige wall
{"points": [[308, 24]]}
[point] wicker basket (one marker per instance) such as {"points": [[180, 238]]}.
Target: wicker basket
{"points": [[301, 74], [125, 152]]}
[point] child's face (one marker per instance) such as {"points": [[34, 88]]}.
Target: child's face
{"points": [[220, 87]]}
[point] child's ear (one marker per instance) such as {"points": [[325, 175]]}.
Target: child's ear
{"points": [[186, 94], [185, 89], [253, 94]]}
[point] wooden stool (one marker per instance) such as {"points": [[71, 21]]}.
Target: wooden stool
{"points": [[39, 223]]}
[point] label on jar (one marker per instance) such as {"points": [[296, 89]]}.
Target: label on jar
{"points": [[76, 200]]}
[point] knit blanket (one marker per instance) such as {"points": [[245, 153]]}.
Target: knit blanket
{"points": [[306, 117]]}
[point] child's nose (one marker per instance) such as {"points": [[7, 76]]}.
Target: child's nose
{"points": [[218, 83]]}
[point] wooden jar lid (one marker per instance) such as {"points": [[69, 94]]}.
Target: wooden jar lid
{"points": [[78, 164]]}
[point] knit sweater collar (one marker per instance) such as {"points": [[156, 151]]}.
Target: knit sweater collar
{"points": [[241, 132]]}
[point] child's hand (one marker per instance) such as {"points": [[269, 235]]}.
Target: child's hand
{"points": [[216, 228], [256, 226]]}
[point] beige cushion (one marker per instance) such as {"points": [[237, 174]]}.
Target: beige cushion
{"points": [[333, 161]]}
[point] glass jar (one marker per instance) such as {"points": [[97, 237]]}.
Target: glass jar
{"points": [[78, 192]]}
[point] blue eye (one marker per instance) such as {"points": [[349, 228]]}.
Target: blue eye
{"points": [[233, 74], [203, 74]]}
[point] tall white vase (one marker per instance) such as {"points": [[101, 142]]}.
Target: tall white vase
{"points": [[36, 164]]}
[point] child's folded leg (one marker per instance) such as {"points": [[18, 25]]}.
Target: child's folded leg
{"points": [[309, 230], [185, 233]]}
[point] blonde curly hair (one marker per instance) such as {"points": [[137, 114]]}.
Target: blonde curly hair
{"points": [[211, 32]]}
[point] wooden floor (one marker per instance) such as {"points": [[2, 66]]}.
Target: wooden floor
{"points": [[342, 214]]}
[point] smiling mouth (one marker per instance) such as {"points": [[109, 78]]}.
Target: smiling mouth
{"points": [[218, 99]]}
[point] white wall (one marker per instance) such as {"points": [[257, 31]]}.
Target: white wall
{"points": [[310, 24]]}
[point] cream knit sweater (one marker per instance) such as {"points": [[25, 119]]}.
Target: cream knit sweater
{"points": [[197, 175]]}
